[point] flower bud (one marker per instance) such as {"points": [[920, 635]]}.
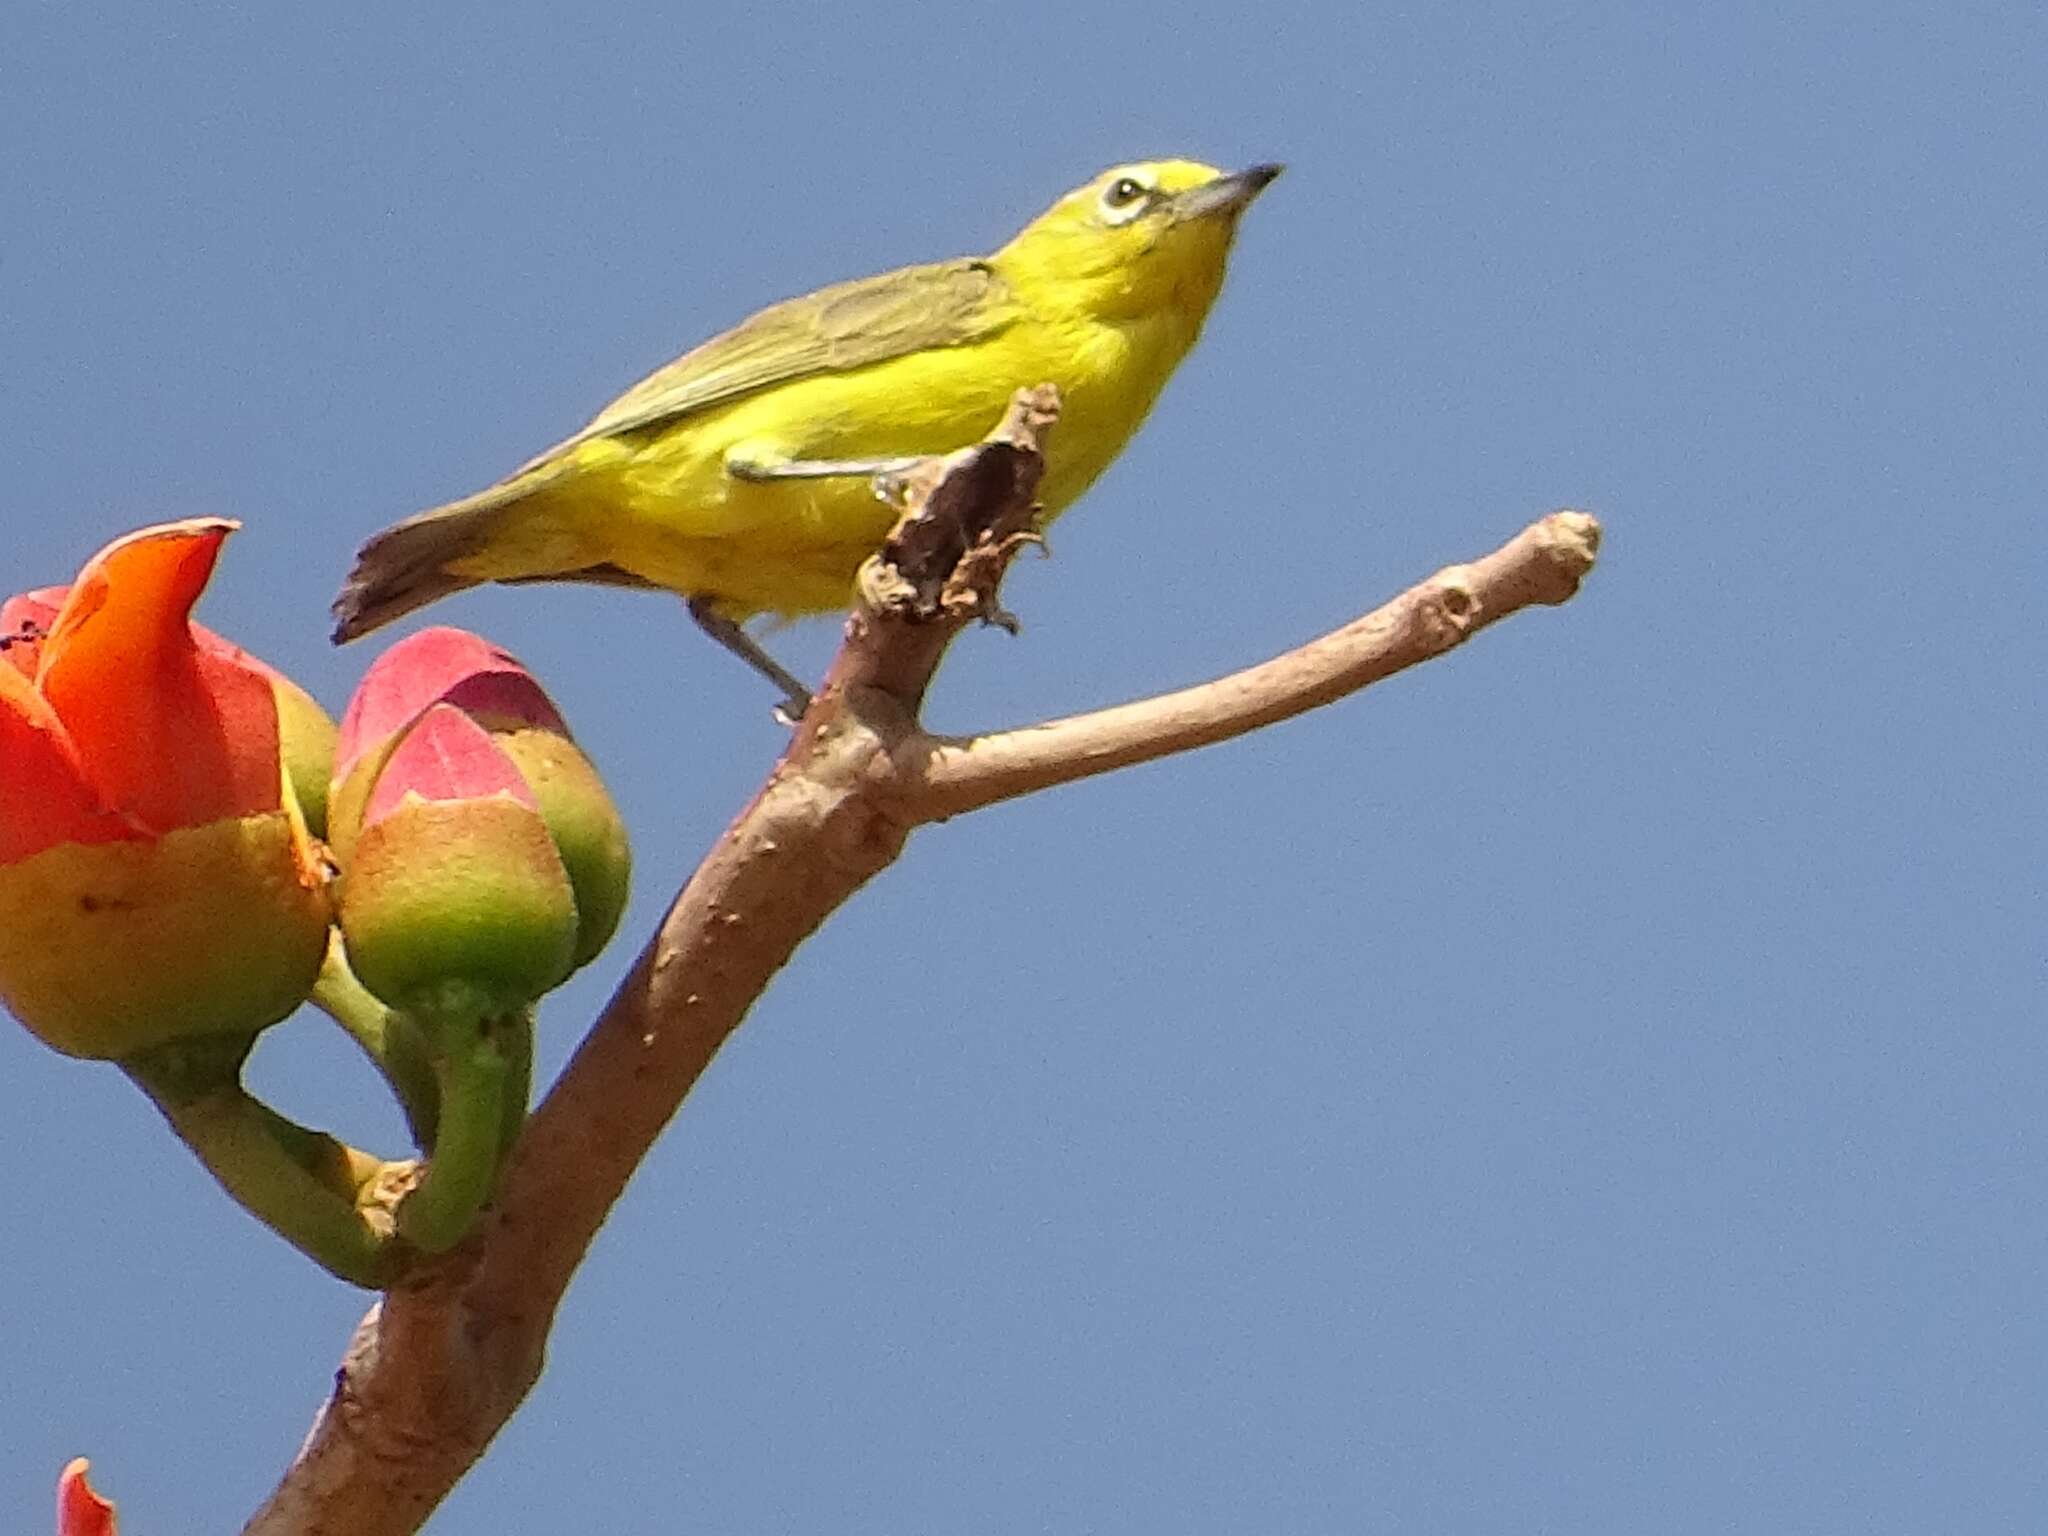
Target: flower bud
{"points": [[454, 900], [452, 668]]}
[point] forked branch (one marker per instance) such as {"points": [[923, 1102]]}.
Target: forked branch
{"points": [[442, 1362]]}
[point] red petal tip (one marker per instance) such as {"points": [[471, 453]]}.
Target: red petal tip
{"points": [[446, 756], [435, 664], [80, 1511]]}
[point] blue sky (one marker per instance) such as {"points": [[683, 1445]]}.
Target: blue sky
{"points": [[1591, 1084]]}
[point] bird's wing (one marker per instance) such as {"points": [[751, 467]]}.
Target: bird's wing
{"points": [[846, 326]]}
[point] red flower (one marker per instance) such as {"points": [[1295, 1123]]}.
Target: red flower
{"points": [[156, 876]]}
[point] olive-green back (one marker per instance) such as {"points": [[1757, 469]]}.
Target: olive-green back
{"points": [[834, 330]]}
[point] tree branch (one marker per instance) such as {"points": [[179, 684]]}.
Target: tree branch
{"points": [[442, 1362], [1543, 564]]}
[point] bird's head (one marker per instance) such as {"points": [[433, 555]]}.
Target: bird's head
{"points": [[1142, 239]]}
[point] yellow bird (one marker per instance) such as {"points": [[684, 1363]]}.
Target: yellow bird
{"points": [[740, 475]]}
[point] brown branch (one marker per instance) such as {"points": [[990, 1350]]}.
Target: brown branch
{"points": [[446, 1357], [1544, 564]]}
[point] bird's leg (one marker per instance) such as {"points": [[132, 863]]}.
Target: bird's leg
{"points": [[761, 471], [796, 698]]}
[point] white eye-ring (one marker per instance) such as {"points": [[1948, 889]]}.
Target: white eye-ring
{"points": [[1125, 198]]}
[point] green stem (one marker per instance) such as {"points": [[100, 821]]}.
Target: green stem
{"points": [[514, 1035], [464, 1163], [393, 1042], [298, 1182]]}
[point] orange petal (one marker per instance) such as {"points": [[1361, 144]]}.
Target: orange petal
{"points": [[27, 616], [44, 797], [167, 732], [80, 1511]]}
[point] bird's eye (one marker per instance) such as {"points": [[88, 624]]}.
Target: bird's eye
{"points": [[1123, 192]]}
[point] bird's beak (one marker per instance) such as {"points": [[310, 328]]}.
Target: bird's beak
{"points": [[1226, 195]]}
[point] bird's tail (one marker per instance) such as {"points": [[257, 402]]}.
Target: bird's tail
{"points": [[409, 564]]}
